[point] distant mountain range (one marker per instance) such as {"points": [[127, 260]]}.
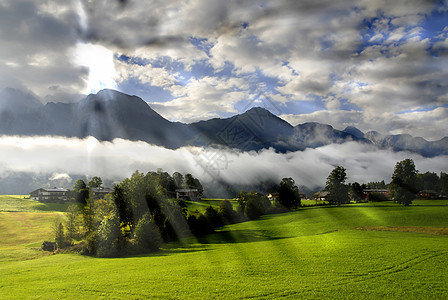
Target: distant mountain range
{"points": [[111, 114]]}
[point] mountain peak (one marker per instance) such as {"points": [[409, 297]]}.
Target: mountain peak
{"points": [[258, 110], [354, 131]]}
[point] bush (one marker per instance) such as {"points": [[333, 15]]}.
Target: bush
{"points": [[146, 234], [376, 197], [213, 217], [256, 205], [226, 212], [109, 237]]}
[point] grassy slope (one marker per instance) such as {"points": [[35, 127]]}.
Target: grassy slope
{"points": [[24, 225], [15, 203], [204, 203], [312, 253]]}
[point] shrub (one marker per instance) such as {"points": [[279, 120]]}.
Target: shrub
{"points": [[109, 237], [146, 234]]}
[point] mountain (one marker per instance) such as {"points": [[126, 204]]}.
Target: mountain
{"points": [[406, 142], [18, 113], [255, 129], [313, 135], [111, 114]]}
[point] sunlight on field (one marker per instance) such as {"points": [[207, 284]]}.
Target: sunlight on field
{"points": [[316, 252]]}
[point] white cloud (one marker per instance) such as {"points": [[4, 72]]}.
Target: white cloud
{"points": [[203, 98], [120, 158]]}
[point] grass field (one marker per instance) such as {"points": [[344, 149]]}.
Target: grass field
{"points": [[204, 203], [313, 253], [15, 203]]}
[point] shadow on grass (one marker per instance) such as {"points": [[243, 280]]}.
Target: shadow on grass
{"points": [[237, 236]]}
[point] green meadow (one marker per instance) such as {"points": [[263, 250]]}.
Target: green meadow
{"points": [[358, 251]]}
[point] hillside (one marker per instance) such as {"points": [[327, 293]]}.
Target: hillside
{"points": [[329, 252]]}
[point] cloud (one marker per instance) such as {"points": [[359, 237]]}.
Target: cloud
{"points": [[36, 49], [120, 158], [59, 176]]}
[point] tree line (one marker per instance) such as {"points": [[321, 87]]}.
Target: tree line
{"points": [[406, 183], [141, 214]]}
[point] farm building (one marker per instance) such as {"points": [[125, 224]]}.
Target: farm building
{"points": [[49, 195], [187, 194], [321, 196], [100, 192], [428, 194], [273, 196]]}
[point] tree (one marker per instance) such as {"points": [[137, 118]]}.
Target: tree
{"points": [[356, 192], [60, 236], [95, 182], [81, 191], [213, 217], [336, 187], [428, 181], [109, 238], [225, 210], [178, 180], [79, 185], [193, 183], [289, 196], [404, 182], [146, 234], [71, 223], [123, 208], [443, 183], [253, 204]]}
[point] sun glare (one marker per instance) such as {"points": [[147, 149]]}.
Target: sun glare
{"points": [[100, 63]]}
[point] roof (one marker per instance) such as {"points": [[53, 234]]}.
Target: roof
{"points": [[186, 190], [102, 190], [375, 190], [321, 194], [55, 190]]}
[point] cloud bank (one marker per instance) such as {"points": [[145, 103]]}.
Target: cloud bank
{"points": [[119, 159]]}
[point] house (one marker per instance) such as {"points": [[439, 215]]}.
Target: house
{"points": [[428, 194], [383, 192], [187, 194], [100, 192], [273, 196], [321, 196], [49, 195]]}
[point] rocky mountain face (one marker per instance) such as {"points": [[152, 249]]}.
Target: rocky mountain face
{"points": [[110, 114]]}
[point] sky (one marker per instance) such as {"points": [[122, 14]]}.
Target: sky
{"points": [[373, 64]]}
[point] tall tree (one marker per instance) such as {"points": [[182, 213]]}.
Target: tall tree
{"points": [[79, 185], [124, 209], [336, 187], [81, 191], [193, 183], [443, 183], [289, 196], [356, 192], [95, 182], [404, 182], [178, 180]]}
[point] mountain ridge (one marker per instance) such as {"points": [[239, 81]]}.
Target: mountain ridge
{"points": [[111, 114]]}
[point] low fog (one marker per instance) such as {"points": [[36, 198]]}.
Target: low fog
{"points": [[114, 161]]}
